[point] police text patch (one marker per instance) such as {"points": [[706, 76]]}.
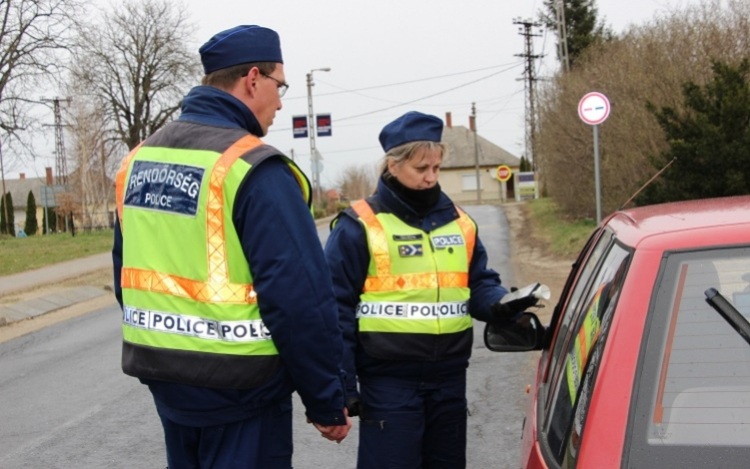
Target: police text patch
{"points": [[400, 310], [409, 250], [194, 326], [444, 241], [166, 187]]}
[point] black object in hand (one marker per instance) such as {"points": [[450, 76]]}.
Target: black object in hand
{"points": [[353, 406], [506, 311]]}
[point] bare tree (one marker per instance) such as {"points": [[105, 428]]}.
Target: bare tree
{"points": [[138, 59], [357, 182], [94, 144], [33, 34]]}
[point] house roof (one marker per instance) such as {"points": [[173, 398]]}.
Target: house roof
{"points": [[460, 142], [19, 190]]}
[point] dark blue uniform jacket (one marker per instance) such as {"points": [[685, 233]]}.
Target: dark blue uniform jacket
{"points": [[291, 278], [348, 257]]}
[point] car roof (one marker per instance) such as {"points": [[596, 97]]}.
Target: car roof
{"points": [[712, 218]]}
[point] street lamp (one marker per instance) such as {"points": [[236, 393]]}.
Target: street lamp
{"points": [[314, 153]]}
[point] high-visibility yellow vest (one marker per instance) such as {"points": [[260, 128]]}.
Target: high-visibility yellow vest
{"points": [[190, 314], [414, 304], [583, 343]]}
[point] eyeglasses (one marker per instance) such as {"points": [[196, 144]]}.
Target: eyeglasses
{"points": [[281, 85]]}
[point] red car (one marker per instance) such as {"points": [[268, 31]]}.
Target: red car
{"points": [[646, 361]]}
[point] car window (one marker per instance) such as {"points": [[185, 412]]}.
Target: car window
{"points": [[572, 307], [579, 363], [693, 399]]}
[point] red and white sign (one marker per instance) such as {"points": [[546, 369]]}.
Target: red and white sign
{"points": [[593, 108], [503, 173]]}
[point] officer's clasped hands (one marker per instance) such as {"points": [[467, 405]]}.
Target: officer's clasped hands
{"points": [[335, 433]]}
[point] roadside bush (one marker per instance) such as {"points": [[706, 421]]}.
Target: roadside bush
{"points": [[7, 226], [49, 220], [341, 206], [31, 225]]}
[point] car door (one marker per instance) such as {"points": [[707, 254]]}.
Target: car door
{"points": [[576, 349]]}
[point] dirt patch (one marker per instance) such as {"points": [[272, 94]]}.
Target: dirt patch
{"points": [[532, 260]]}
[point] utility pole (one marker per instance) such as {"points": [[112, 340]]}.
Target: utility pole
{"points": [[314, 153], [291, 152], [529, 81], [61, 166], [104, 184], [5, 200], [473, 125], [562, 34]]}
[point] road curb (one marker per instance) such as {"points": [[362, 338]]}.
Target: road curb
{"points": [[48, 303]]}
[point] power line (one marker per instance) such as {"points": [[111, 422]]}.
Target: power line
{"points": [[429, 96], [343, 90], [414, 100], [343, 151]]}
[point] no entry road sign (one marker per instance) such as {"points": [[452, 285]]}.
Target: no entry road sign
{"points": [[593, 108]]}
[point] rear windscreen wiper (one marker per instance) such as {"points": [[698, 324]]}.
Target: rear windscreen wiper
{"points": [[728, 312]]}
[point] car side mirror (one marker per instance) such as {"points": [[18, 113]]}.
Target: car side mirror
{"points": [[523, 335]]}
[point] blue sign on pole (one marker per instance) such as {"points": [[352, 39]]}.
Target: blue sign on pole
{"points": [[324, 125], [299, 126]]}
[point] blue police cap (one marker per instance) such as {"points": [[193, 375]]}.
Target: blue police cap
{"points": [[411, 127], [239, 45]]}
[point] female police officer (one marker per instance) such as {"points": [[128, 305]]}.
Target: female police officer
{"points": [[409, 273]]}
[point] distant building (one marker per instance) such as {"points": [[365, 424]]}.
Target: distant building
{"points": [[19, 191], [98, 211], [458, 177], [332, 195]]}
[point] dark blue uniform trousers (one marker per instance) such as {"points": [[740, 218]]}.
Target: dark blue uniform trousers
{"points": [[413, 426], [263, 442]]}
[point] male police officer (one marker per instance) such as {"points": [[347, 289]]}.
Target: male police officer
{"points": [[227, 299]]}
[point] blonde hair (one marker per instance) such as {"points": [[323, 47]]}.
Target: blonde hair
{"points": [[407, 151]]}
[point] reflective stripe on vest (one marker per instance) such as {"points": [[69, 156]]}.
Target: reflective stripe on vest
{"points": [[218, 288], [385, 281], [429, 302]]}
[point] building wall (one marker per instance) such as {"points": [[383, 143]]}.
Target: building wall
{"points": [[102, 215], [451, 182], [19, 219]]}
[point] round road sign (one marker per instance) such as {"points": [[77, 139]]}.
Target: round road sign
{"points": [[503, 173], [593, 108]]}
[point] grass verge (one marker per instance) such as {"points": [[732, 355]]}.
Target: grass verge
{"points": [[21, 254], [563, 236]]}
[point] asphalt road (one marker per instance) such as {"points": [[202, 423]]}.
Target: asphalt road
{"points": [[65, 403]]}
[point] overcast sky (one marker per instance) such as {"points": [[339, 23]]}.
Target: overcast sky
{"points": [[388, 57]]}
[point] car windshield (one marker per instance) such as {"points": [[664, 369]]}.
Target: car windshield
{"points": [[695, 385]]}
